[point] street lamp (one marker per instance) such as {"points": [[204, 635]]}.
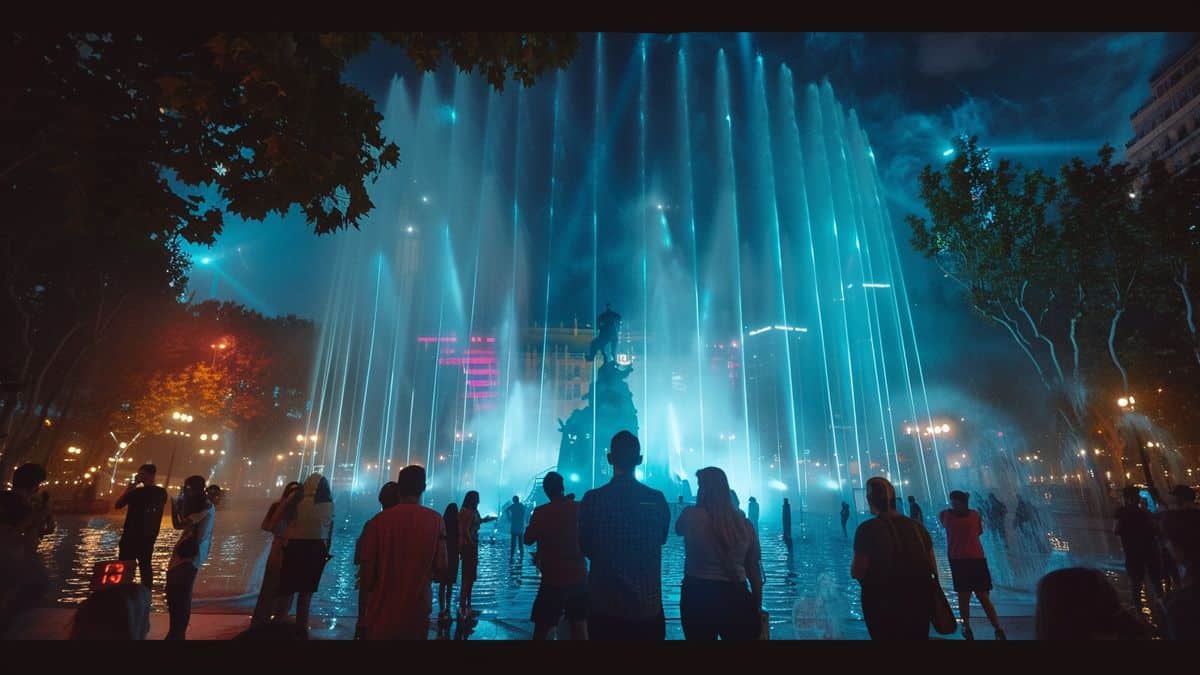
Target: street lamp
{"points": [[183, 418], [301, 439], [222, 346]]}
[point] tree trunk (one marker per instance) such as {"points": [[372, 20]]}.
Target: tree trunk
{"points": [[1112, 349], [1190, 316]]}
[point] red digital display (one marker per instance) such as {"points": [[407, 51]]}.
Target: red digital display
{"points": [[112, 573]]}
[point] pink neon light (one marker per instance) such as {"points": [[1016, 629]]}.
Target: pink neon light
{"points": [[481, 371], [467, 361], [481, 394], [491, 339], [481, 383], [449, 338]]}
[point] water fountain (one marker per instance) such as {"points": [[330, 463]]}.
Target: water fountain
{"points": [[734, 215]]}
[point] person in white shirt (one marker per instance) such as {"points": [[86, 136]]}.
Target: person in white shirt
{"points": [[308, 541], [191, 512]]}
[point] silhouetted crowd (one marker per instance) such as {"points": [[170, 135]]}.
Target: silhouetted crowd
{"points": [[600, 562]]}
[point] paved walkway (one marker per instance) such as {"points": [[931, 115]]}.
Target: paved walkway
{"points": [[54, 624]]}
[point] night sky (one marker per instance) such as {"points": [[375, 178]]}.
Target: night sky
{"points": [[1037, 98]]}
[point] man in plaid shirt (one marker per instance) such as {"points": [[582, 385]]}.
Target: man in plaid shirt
{"points": [[622, 529]]}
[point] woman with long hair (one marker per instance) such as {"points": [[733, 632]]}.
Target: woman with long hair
{"points": [[468, 549], [192, 513], [446, 588], [309, 540], [722, 555], [894, 563], [273, 522], [1078, 603]]}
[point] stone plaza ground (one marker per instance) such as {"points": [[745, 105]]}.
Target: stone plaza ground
{"points": [[808, 591]]}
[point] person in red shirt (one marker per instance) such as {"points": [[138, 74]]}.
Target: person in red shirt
{"points": [[554, 527], [403, 552], [968, 564]]}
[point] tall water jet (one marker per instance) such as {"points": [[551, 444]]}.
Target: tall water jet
{"points": [[738, 228]]}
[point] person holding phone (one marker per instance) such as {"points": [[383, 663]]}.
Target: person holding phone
{"points": [[191, 512], [144, 502]]}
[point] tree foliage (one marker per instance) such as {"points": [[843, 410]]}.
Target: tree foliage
{"points": [[118, 146], [1065, 264]]}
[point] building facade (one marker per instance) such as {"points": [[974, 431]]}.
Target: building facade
{"points": [[1167, 127]]}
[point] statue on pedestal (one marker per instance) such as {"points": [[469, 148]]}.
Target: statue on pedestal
{"points": [[588, 430]]}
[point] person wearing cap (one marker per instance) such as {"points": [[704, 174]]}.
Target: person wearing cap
{"points": [[623, 526], [968, 563], [894, 563]]}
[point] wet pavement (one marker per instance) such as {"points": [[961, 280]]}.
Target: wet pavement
{"points": [[808, 591]]}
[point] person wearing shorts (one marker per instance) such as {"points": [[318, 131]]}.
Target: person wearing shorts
{"points": [[554, 528], [968, 564]]}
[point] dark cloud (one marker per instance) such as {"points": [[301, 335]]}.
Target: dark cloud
{"points": [[944, 54]]}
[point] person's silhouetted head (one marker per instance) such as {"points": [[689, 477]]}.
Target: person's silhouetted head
{"points": [[911, 499], [471, 500], [148, 470], [214, 493], [273, 631], [28, 477], [1078, 603], [959, 501], [450, 517], [323, 493], [786, 502], [624, 451], [1131, 495], [881, 495], [516, 499], [410, 482], [553, 485], [845, 506], [389, 495], [289, 489], [120, 612], [195, 497]]}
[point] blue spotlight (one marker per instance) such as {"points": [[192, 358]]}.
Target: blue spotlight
{"points": [[778, 485], [574, 478], [947, 152]]}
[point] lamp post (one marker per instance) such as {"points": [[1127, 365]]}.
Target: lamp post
{"points": [[178, 418], [122, 446], [222, 346], [302, 440]]}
